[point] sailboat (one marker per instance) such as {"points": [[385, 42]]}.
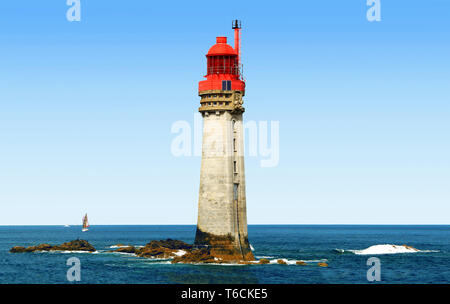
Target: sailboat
{"points": [[85, 223]]}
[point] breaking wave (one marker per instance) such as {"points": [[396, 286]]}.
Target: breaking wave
{"points": [[293, 262], [383, 249], [66, 251]]}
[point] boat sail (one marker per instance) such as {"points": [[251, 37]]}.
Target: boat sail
{"points": [[85, 223]]}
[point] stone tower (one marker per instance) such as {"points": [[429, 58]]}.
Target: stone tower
{"points": [[222, 212]]}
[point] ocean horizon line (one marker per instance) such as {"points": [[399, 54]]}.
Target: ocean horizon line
{"points": [[99, 225]]}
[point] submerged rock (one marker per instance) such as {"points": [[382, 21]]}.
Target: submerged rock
{"points": [[281, 262], [322, 264], [18, 249], [125, 249], [300, 263], [264, 261], [76, 245]]}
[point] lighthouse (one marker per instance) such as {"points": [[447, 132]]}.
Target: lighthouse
{"points": [[222, 211]]}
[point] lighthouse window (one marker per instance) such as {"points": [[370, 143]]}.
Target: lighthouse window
{"points": [[235, 191], [235, 166], [226, 85]]}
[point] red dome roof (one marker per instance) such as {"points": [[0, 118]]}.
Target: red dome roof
{"points": [[221, 48]]}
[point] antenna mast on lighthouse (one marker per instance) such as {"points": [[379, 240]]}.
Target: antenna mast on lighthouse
{"points": [[237, 44]]}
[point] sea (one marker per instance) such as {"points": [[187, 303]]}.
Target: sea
{"points": [[348, 250]]}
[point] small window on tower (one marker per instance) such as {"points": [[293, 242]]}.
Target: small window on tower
{"points": [[226, 85]]}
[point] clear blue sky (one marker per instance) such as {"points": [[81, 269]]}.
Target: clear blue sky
{"points": [[86, 110]]}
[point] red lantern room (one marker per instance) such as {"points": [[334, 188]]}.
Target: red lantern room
{"points": [[223, 66]]}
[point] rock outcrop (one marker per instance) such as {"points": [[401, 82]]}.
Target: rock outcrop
{"points": [[178, 251], [196, 256], [225, 247], [125, 249], [76, 245], [163, 249]]}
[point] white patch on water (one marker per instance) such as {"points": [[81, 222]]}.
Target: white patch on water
{"points": [[78, 251], [125, 246], [384, 249], [294, 262], [315, 261], [159, 262], [124, 253], [251, 248], [264, 257], [66, 251]]}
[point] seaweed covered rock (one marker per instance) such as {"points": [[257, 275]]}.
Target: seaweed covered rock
{"points": [[158, 253], [76, 245], [18, 249], [125, 249], [163, 249], [170, 244], [196, 256], [264, 261]]}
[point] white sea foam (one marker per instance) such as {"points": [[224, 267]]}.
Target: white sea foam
{"points": [[125, 246], [264, 257], [180, 252], [294, 262], [384, 249], [159, 262], [75, 251], [124, 253], [251, 248]]}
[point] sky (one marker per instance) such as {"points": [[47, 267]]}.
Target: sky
{"points": [[86, 110]]}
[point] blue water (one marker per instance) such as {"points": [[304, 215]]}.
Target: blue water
{"points": [[310, 243]]}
